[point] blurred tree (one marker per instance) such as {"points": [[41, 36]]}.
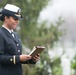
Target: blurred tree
{"points": [[32, 35], [73, 64]]}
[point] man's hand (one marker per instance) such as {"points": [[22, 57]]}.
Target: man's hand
{"points": [[24, 57], [36, 58]]}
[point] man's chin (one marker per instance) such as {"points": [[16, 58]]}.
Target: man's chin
{"points": [[14, 27]]}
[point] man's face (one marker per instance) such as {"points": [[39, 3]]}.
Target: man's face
{"points": [[11, 22]]}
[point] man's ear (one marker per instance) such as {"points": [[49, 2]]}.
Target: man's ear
{"points": [[6, 18]]}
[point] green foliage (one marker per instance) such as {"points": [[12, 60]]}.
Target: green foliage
{"points": [[56, 67], [73, 63]]}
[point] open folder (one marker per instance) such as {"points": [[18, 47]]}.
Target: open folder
{"points": [[36, 50]]}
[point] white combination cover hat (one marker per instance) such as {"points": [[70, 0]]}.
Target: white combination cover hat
{"points": [[11, 10]]}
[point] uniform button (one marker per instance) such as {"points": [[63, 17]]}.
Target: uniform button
{"points": [[18, 50], [11, 59], [17, 44]]}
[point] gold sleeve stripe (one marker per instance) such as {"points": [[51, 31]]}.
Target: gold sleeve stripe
{"points": [[14, 59]]}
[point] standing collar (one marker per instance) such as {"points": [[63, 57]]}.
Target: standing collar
{"points": [[7, 29]]}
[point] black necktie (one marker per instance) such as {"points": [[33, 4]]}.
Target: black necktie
{"points": [[13, 34]]}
